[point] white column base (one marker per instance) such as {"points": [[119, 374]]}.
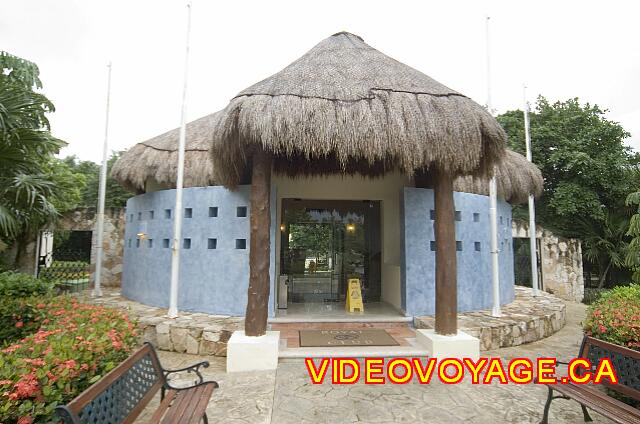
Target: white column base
{"points": [[245, 353], [461, 345]]}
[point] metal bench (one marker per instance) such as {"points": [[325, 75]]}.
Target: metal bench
{"points": [[626, 363], [122, 394]]}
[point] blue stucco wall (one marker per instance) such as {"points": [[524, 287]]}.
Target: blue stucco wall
{"points": [[474, 267], [211, 280]]}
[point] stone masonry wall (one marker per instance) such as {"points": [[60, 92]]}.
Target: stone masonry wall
{"points": [[561, 260], [113, 240]]}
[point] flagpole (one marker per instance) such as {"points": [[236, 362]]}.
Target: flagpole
{"points": [[532, 207], [177, 214], [493, 199], [102, 190]]}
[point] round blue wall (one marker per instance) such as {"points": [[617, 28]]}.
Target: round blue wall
{"points": [[214, 268]]}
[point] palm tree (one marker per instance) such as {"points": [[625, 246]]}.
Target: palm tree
{"points": [[26, 150], [606, 243]]}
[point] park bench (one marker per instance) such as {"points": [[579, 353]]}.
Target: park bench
{"points": [[626, 363], [122, 394]]}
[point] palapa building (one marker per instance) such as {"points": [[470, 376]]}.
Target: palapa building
{"points": [[345, 164]]}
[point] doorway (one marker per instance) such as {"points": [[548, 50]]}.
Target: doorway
{"points": [[326, 242]]}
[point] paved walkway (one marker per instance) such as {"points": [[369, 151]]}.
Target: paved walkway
{"points": [[287, 396]]}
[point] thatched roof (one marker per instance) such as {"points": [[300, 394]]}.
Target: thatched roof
{"points": [[346, 107], [157, 158], [516, 178]]}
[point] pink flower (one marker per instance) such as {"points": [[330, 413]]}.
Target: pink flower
{"points": [[19, 324], [5, 382], [24, 420]]}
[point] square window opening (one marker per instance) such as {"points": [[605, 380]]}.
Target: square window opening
{"points": [[186, 243], [150, 243], [459, 246], [139, 216], [478, 246], [212, 243], [241, 243], [213, 212], [188, 212], [432, 214], [137, 242], [151, 214], [165, 243], [476, 217], [167, 213], [241, 212], [458, 215], [432, 245]]}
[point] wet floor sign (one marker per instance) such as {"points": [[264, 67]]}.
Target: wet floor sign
{"points": [[354, 296]]}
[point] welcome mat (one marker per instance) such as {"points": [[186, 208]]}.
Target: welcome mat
{"points": [[324, 338]]}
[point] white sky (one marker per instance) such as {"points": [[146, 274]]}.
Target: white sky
{"points": [[561, 49]]}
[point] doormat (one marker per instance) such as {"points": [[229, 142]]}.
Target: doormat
{"points": [[338, 338]]}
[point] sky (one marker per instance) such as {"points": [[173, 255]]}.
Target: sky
{"points": [[560, 49]]}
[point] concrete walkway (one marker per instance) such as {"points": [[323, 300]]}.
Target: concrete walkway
{"points": [[287, 395]]}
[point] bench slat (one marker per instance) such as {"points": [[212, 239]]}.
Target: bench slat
{"points": [[600, 402], [189, 405], [162, 408]]}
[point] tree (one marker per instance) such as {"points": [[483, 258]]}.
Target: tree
{"points": [[588, 172], [632, 259], [116, 195], [582, 157], [33, 185]]}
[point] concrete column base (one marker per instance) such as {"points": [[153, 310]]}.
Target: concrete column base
{"points": [[461, 345], [245, 353]]}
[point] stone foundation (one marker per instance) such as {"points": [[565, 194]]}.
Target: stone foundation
{"points": [[194, 333], [525, 320]]}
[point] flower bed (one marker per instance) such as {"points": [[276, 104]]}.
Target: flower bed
{"points": [[19, 295], [615, 317], [74, 346]]}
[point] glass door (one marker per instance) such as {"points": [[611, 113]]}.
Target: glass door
{"points": [[324, 243]]}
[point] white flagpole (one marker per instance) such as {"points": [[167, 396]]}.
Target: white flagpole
{"points": [[493, 200], [177, 214], [97, 289], [532, 207]]}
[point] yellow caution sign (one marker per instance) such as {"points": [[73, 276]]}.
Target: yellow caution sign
{"points": [[354, 296]]}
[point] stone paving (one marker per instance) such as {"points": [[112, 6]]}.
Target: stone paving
{"points": [[287, 395]]}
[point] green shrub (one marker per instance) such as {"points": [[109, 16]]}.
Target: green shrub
{"points": [[19, 296], [16, 284], [75, 345], [615, 316]]}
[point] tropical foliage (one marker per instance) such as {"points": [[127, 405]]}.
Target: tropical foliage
{"points": [[615, 317], [116, 195], [19, 295], [588, 172], [33, 185], [74, 346]]}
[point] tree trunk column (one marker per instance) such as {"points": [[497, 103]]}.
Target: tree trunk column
{"points": [[255, 323], [446, 268]]}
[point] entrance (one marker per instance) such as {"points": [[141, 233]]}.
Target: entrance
{"points": [[326, 242]]}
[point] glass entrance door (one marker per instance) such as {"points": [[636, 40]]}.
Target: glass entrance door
{"points": [[324, 243]]}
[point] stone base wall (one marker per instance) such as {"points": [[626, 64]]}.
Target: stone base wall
{"points": [[560, 262], [525, 320], [194, 333]]}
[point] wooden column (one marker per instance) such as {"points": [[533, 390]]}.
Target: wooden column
{"points": [[446, 268], [255, 323]]}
